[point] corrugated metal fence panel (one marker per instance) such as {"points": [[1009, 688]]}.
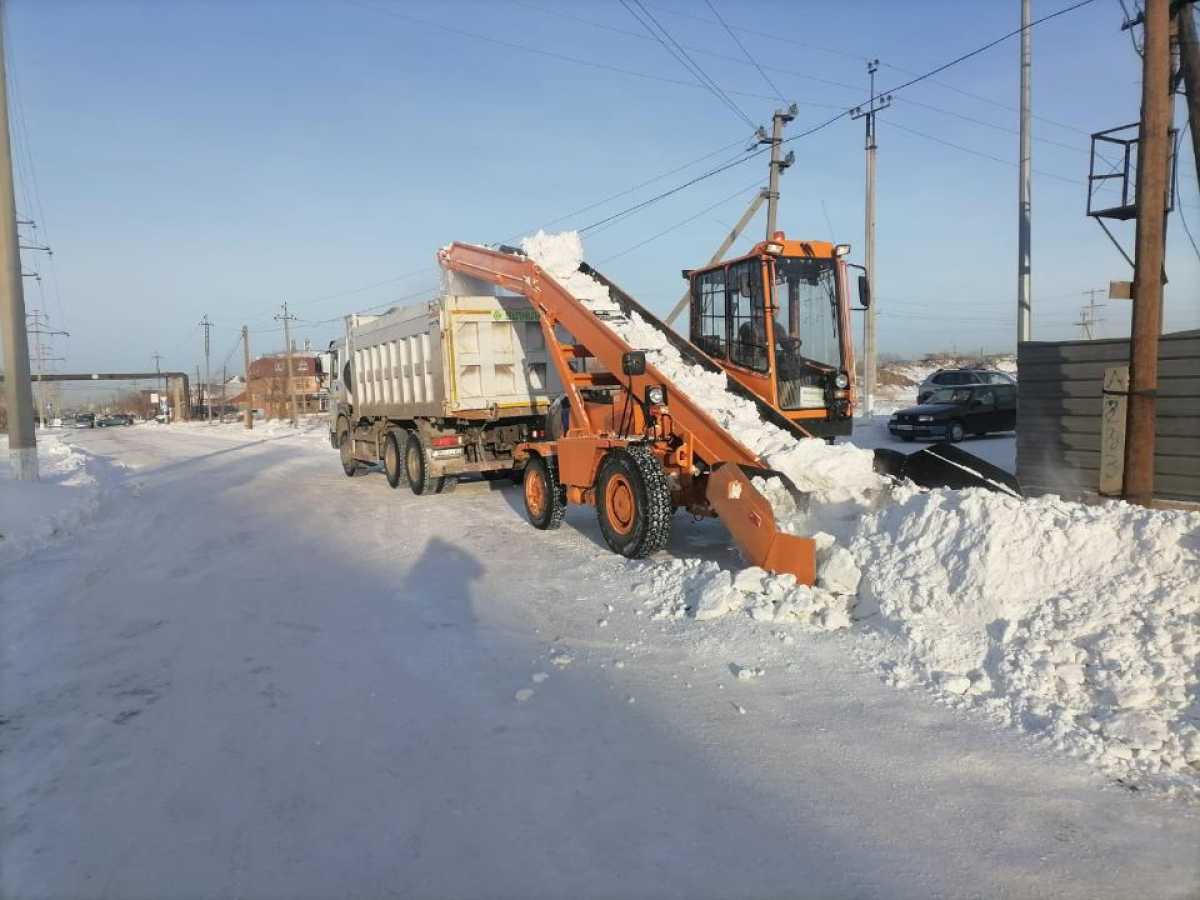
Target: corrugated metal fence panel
{"points": [[1059, 389]]}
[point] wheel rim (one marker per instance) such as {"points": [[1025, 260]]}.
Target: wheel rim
{"points": [[412, 461], [344, 447], [619, 504], [390, 458], [535, 494]]}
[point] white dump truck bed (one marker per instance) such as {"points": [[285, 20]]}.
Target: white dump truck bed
{"points": [[475, 357]]}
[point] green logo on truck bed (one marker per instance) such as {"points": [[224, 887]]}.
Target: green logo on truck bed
{"points": [[515, 315]]}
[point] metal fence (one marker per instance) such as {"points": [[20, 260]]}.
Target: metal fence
{"points": [[1060, 398]]}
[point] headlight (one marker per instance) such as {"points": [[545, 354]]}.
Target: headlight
{"points": [[924, 418], [656, 396], [842, 380], [841, 249]]}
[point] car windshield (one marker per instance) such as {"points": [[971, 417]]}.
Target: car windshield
{"points": [[949, 395]]}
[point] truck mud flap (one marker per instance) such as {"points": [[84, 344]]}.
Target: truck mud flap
{"points": [[946, 466]]}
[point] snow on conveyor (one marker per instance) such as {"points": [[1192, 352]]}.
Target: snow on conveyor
{"points": [[1079, 624]]}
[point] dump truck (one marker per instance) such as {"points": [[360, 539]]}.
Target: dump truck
{"points": [[441, 389]]}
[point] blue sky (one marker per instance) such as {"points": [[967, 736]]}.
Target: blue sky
{"points": [[221, 156]]}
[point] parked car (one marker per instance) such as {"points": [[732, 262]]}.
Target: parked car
{"points": [[114, 419], [953, 413], [959, 378], [85, 420]]}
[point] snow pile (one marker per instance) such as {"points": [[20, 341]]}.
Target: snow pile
{"points": [[1078, 623], [829, 473], [32, 514], [676, 588]]}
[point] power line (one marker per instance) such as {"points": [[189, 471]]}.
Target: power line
{"points": [[742, 47], [681, 223], [1187, 230], [938, 140], [683, 58]]}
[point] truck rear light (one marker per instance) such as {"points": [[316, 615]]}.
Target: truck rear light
{"points": [[450, 440]]}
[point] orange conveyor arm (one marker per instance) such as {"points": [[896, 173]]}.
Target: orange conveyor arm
{"points": [[521, 275]]}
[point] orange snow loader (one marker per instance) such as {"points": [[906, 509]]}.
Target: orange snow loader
{"points": [[637, 448]]}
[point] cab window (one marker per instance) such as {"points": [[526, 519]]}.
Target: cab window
{"points": [[985, 398], [747, 317], [710, 329]]}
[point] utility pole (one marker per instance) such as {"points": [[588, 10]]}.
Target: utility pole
{"points": [[870, 353], [249, 414], [207, 326], [287, 337], [22, 441], [39, 326], [199, 389], [224, 383], [1024, 189], [1189, 67], [778, 162], [160, 384], [1087, 315], [1152, 184]]}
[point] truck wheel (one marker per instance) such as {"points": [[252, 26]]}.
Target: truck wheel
{"points": [[416, 465], [346, 449], [955, 432], [393, 459], [545, 499], [633, 502]]}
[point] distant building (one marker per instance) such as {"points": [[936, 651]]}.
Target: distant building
{"points": [[269, 388]]}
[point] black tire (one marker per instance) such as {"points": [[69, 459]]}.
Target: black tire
{"points": [[633, 502], [417, 464], [446, 484], [545, 498], [350, 465], [955, 432], [393, 459]]}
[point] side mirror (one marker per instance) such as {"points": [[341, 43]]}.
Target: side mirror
{"points": [[864, 291], [633, 362]]}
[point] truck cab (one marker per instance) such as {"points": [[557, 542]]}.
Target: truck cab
{"points": [[777, 320]]}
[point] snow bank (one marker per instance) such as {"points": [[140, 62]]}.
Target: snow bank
{"points": [[1077, 623], [33, 514], [1080, 624]]}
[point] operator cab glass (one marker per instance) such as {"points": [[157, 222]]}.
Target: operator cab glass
{"points": [[807, 343]]}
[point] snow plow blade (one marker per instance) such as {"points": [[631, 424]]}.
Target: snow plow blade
{"points": [[946, 466], [751, 522]]}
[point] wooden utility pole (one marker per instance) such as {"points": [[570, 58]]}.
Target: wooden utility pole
{"points": [[1189, 67], [22, 440], [287, 338], [1154, 146], [249, 414]]}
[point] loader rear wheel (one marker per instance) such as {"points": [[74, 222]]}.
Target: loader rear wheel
{"points": [[545, 499], [416, 465], [393, 460], [350, 465], [633, 502]]}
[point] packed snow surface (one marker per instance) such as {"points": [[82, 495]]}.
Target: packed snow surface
{"points": [[1079, 624]]}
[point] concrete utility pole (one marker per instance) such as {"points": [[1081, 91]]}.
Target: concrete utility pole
{"points": [[1189, 67], [249, 414], [1154, 147], [1024, 189], [22, 441], [287, 337], [778, 163], [870, 353], [161, 384], [207, 326]]}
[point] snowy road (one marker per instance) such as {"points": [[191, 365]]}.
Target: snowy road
{"points": [[253, 677]]}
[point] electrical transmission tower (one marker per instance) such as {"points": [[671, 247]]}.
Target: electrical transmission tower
{"points": [[1088, 320]]}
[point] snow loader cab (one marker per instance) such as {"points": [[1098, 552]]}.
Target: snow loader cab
{"points": [[778, 321]]}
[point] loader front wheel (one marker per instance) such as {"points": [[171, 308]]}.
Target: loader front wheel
{"points": [[633, 502], [545, 499]]}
